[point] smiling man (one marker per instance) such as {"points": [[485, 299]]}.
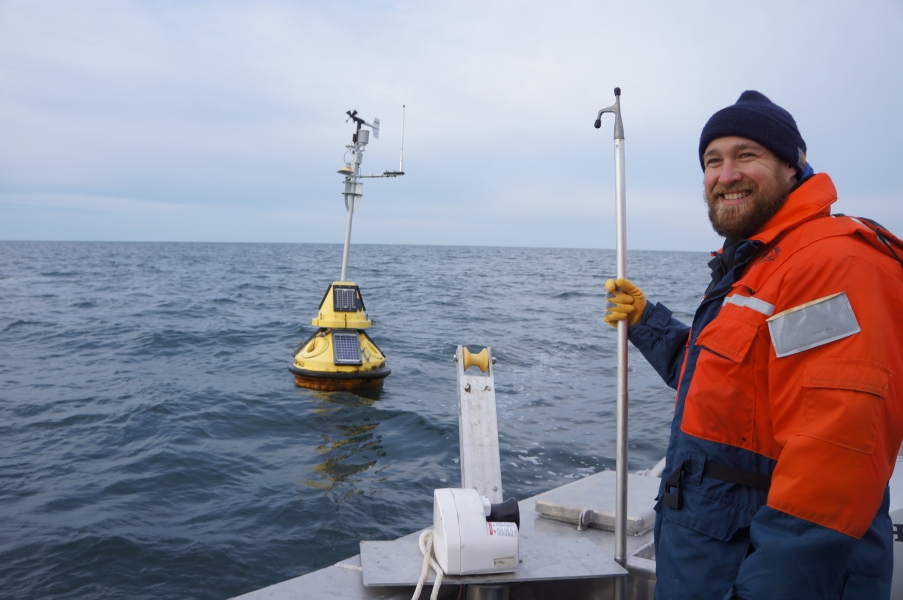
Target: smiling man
{"points": [[745, 184], [789, 409]]}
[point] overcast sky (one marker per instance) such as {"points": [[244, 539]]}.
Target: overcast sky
{"points": [[224, 121]]}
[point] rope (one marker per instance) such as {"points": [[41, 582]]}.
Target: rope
{"points": [[426, 548]]}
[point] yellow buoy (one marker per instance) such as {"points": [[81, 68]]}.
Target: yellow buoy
{"points": [[340, 355]]}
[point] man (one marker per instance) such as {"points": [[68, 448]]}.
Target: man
{"points": [[789, 410]]}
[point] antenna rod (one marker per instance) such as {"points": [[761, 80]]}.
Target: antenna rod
{"points": [[401, 160]]}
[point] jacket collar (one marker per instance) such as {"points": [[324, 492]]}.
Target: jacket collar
{"points": [[811, 200]]}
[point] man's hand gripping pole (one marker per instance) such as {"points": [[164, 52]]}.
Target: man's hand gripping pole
{"points": [[625, 301]]}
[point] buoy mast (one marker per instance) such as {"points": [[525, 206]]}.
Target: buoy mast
{"points": [[352, 169]]}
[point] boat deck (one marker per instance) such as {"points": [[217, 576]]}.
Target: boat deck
{"points": [[344, 580]]}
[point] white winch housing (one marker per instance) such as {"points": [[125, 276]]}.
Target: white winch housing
{"points": [[464, 542]]}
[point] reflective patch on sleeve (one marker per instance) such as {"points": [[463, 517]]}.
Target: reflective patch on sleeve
{"points": [[754, 303], [812, 324]]}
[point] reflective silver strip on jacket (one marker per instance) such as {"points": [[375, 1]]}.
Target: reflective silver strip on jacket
{"points": [[754, 303], [812, 324]]}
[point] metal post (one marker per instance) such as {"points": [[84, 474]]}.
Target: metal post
{"points": [[353, 193], [621, 407], [401, 158], [621, 402], [347, 239]]}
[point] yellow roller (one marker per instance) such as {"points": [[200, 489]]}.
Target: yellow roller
{"points": [[480, 359]]}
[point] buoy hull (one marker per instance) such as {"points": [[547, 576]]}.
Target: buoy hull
{"points": [[340, 356], [340, 382]]}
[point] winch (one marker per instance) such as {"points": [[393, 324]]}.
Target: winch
{"points": [[472, 535]]}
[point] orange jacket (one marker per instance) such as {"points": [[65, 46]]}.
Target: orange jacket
{"points": [[792, 369], [835, 408]]}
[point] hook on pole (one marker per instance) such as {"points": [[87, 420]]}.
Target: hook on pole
{"points": [[616, 110]]}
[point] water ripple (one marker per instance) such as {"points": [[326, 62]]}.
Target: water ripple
{"points": [[152, 442]]}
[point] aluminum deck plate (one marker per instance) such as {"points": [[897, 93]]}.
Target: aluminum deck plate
{"points": [[399, 562], [597, 493]]}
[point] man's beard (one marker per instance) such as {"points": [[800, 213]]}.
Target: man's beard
{"points": [[745, 220]]}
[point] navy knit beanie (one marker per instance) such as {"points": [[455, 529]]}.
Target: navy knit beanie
{"points": [[757, 118]]}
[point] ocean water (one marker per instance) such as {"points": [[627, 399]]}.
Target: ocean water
{"points": [[153, 444]]}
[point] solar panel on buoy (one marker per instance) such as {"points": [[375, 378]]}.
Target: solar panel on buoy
{"points": [[346, 348], [344, 299]]}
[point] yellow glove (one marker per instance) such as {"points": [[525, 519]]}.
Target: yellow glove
{"points": [[625, 301]]}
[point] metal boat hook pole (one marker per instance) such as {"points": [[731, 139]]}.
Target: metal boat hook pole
{"points": [[621, 409]]}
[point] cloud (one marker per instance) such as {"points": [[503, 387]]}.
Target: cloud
{"points": [[238, 107]]}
